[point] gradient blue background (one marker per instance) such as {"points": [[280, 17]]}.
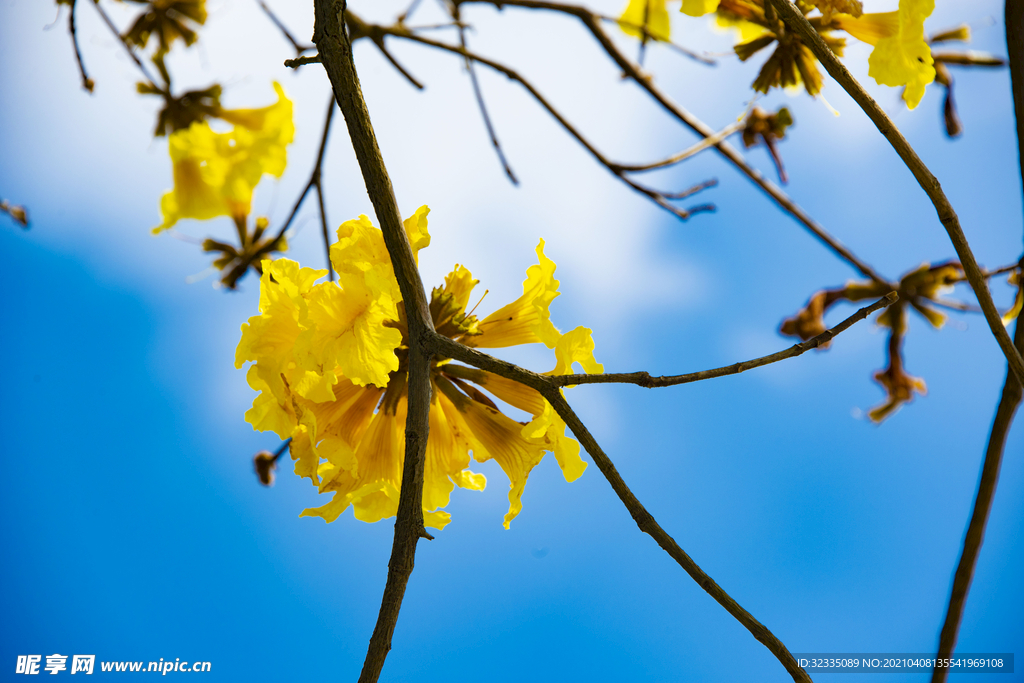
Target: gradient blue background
{"points": [[134, 528]]}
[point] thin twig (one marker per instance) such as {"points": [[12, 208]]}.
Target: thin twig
{"points": [[332, 40], [702, 58], [633, 71], [471, 70], [644, 379], [686, 153], [796, 21], [299, 48], [314, 176], [282, 449], [124, 43], [447, 348], [323, 226], [1008, 402], [87, 82], [660, 198]]}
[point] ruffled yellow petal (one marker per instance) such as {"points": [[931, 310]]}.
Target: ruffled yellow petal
{"points": [[303, 448], [905, 58], [267, 413], [698, 8], [548, 429], [576, 346], [651, 14], [527, 319], [349, 332], [446, 462], [490, 434], [416, 230]]}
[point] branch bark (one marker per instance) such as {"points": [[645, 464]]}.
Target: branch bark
{"points": [[335, 49], [1012, 392], [645, 379], [796, 22]]}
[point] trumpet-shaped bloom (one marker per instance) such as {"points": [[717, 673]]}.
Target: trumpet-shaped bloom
{"points": [[215, 173], [901, 55], [331, 361]]}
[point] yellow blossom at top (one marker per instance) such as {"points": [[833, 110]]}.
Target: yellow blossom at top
{"points": [[330, 361], [901, 55], [650, 14], [215, 173]]}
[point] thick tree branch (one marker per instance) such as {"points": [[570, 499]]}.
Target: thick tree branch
{"points": [[335, 48], [645, 379], [1012, 392], [635, 72], [1008, 403], [796, 22]]}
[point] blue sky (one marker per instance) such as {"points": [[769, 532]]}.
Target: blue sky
{"points": [[135, 526]]}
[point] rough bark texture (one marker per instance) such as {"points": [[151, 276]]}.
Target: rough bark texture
{"points": [[335, 50]]}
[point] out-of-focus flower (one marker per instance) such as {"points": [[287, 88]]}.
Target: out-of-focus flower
{"points": [[215, 173], [331, 365], [918, 289], [792, 63], [649, 15], [168, 20], [761, 126], [265, 464], [234, 261], [15, 211]]}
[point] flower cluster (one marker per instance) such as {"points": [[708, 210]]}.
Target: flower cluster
{"points": [[330, 361], [901, 55]]}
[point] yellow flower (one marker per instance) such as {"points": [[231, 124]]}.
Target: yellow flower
{"points": [[650, 14], [331, 367], [698, 8], [215, 173], [901, 55]]}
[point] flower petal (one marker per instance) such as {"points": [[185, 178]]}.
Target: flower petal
{"points": [[527, 319]]}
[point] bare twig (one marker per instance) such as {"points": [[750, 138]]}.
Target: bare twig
{"points": [[323, 227], [660, 198], [299, 48], [471, 70], [447, 348], [644, 379], [702, 58], [314, 177], [709, 141], [87, 82], [333, 43], [796, 21], [633, 71], [124, 43]]}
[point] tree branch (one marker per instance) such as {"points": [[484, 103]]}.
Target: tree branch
{"points": [[125, 45], [447, 348], [299, 49], [799, 24], [87, 82], [659, 198], [314, 177], [332, 41], [634, 72], [1012, 392], [644, 379], [686, 153]]}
